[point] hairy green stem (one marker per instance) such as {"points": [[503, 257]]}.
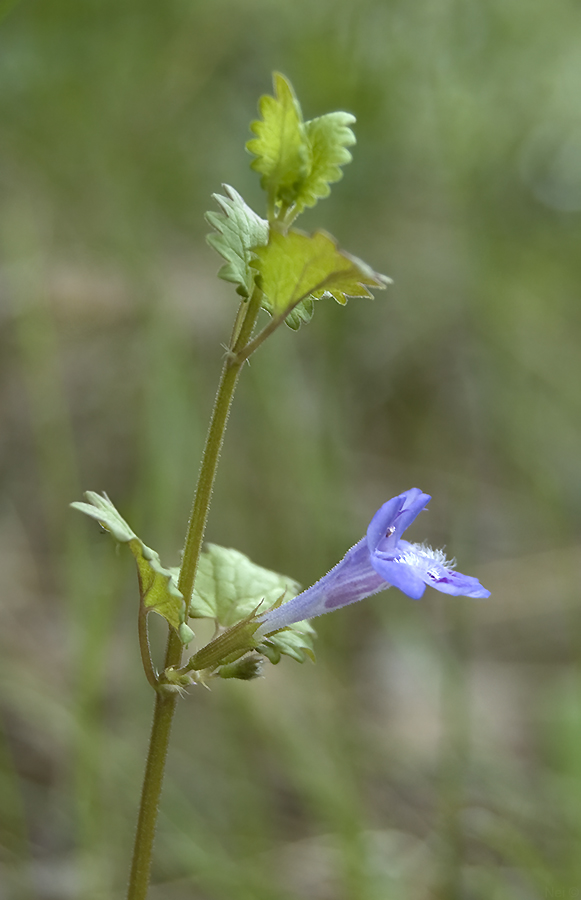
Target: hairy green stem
{"points": [[166, 700], [158, 743], [201, 505], [253, 345]]}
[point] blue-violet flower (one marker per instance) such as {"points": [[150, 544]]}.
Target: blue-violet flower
{"points": [[378, 561]]}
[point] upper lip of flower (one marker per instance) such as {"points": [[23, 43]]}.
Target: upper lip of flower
{"points": [[378, 561], [391, 520]]}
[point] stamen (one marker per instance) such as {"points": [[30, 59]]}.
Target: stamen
{"points": [[434, 553]]}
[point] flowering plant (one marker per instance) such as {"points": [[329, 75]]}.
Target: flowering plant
{"points": [[284, 273]]}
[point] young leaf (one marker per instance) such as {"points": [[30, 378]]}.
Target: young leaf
{"points": [[229, 586], [298, 160], [246, 669], [328, 138], [296, 266], [239, 229], [280, 146], [295, 641], [157, 588]]}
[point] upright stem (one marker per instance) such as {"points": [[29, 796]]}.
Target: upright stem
{"points": [[165, 702], [152, 781], [214, 440]]}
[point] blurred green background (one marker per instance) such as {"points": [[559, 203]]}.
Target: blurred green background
{"points": [[435, 749]]}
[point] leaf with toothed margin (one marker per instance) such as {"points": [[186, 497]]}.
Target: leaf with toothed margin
{"points": [[281, 148], [302, 313], [328, 138], [229, 587], [238, 230], [296, 268], [298, 160], [158, 591]]}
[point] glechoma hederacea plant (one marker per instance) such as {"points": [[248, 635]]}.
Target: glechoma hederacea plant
{"points": [[258, 613]]}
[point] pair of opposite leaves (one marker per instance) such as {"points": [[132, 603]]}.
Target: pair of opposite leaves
{"points": [[297, 160]]}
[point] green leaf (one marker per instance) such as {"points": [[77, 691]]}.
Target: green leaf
{"points": [[157, 588], [101, 509], [295, 641], [239, 229], [297, 266], [229, 586], [298, 160], [328, 138], [280, 146], [302, 313]]}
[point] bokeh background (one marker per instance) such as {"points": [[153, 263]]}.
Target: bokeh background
{"points": [[434, 751]]}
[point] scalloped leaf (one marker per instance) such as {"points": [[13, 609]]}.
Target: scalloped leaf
{"points": [[159, 592], [328, 138], [298, 160], [295, 267], [229, 586], [239, 229], [281, 148], [302, 313]]}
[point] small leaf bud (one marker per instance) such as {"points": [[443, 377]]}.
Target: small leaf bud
{"points": [[247, 668]]}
